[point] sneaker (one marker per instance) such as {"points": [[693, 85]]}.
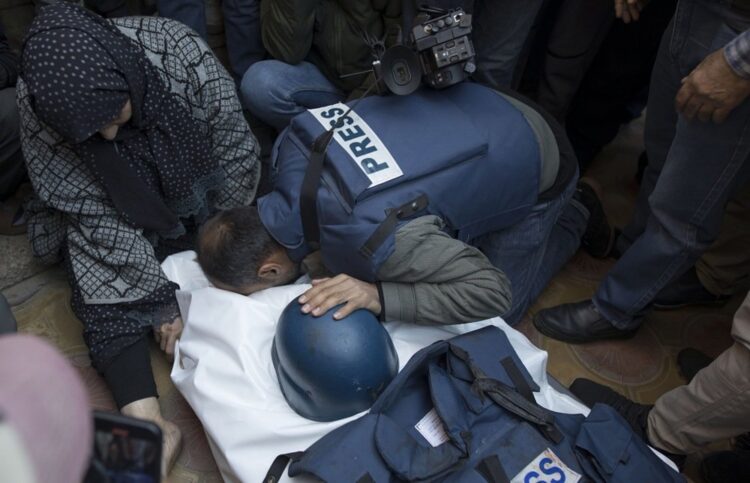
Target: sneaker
{"points": [[690, 361], [599, 238], [687, 290], [726, 467]]}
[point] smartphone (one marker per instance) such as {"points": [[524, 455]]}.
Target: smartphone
{"points": [[126, 450]]}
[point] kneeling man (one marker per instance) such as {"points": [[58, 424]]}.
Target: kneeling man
{"points": [[439, 207]]}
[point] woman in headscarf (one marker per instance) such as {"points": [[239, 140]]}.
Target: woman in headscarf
{"points": [[133, 135]]}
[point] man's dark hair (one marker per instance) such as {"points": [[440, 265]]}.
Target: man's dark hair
{"points": [[232, 245]]}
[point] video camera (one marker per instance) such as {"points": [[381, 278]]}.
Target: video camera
{"points": [[440, 51]]}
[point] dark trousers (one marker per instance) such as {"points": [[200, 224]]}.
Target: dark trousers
{"points": [[12, 167], [500, 31], [241, 28], [694, 169], [7, 321], [615, 88], [578, 30]]}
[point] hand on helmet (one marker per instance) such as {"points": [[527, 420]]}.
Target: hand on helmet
{"points": [[327, 293]]}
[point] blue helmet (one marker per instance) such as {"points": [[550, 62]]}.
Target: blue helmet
{"points": [[330, 369]]}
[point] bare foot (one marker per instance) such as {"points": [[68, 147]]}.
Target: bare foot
{"points": [[148, 409], [172, 445]]}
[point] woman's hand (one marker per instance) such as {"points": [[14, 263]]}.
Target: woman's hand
{"points": [[167, 334], [327, 293]]}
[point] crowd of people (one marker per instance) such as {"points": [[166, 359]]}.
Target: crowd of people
{"points": [[123, 139]]}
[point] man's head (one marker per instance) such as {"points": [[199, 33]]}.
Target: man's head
{"points": [[237, 253]]}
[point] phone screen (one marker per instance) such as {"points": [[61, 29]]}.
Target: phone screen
{"points": [[125, 451]]}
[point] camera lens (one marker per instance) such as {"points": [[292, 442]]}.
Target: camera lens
{"points": [[401, 73]]}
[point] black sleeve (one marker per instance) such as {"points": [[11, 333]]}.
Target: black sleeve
{"points": [[8, 63], [129, 375]]}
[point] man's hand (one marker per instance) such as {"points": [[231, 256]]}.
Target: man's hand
{"points": [[327, 293], [628, 10], [167, 334], [712, 90]]}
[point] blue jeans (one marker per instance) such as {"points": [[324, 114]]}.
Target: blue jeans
{"points": [[694, 168], [241, 28], [532, 251], [275, 91]]}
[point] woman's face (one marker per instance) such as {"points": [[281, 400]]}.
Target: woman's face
{"points": [[109, 131]]}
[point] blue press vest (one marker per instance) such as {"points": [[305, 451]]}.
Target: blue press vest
{"points": [[465, 150], [462, 411]]}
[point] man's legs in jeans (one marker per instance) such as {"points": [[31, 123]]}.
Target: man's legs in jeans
{"points": [[501, 28], [532, 251], [275, 91], [694, 168], [716, 403]]}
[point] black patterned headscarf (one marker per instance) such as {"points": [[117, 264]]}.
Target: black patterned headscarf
{"points": [[80, 71]]}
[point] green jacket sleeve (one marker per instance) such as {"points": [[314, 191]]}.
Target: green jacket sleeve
{"points": [[287, 28], [432, 278]]}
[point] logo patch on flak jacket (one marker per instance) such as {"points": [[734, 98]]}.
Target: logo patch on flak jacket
{"points": [[361, 143], [546, 468]]}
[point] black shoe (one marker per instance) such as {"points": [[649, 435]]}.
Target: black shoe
{"points": [[726, 467], [577, 323], [742, 442], [590, 393], [635, 414], [687, 290], [642, 164], [599, 238], [690, 361]]}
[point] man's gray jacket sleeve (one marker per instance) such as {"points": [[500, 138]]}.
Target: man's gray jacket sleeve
{"points": [[432, 278]]}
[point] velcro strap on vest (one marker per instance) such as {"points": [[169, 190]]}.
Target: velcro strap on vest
{"points": [[387, 226], [492, 470], [522, 385], [366, 478], [509, 399], [279, 465], [308, 199]]}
